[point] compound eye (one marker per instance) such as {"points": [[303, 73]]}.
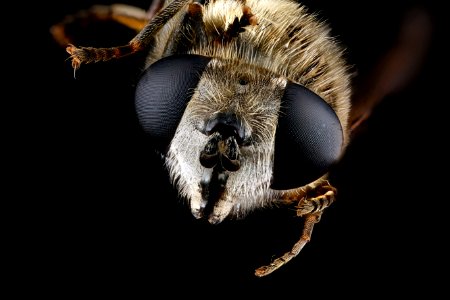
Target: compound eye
{"points": [[163, 92], [308, 141]]}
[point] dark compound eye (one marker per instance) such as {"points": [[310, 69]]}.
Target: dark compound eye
{"points": [[308, 139], [163, 92]]}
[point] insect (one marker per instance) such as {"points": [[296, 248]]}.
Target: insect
{"points": [[247, 101]]}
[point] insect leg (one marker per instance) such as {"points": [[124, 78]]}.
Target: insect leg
{"points": [[142, 41], [324, 195], [155, 7], [310, 220], [130, 16], [191, 31], [311, 198], [311, 202]]}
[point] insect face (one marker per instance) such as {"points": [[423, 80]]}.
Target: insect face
{"points": [[230, 123], [248, 101], [223, 153]]}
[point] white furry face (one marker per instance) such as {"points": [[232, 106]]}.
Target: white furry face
{"points": [[254, 96]]}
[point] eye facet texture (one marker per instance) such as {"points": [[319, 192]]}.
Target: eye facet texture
{"points": [[163, 92], [308, 139]]}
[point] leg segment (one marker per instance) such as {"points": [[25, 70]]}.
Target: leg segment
{"points": [[191, 31], [312, 198], [311, 202], [310, 220], [130, 16], [155, 7], [324, 195], [142, 41]]}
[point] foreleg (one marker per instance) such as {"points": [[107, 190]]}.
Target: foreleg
{"points": [[311, 201], [130, 16], [142, 41]]}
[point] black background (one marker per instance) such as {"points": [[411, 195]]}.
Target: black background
{"points": [[98, 216]]}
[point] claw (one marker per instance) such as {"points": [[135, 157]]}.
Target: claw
{"points": [[76, 62], [304, 207]]}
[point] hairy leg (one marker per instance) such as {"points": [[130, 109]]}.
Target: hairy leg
{"points": [[311, 201], [308, 226], [129, 16], [142, 41]]}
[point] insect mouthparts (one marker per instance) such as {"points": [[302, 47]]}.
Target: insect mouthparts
{"points": [[222, 149], [221, 152], [227, 124]]}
